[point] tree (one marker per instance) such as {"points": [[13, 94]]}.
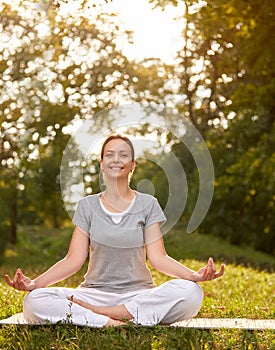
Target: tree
{"points": [[56, 68], [236, 112], [243, 207]]}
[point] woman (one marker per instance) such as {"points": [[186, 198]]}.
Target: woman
{"points": [[121, 227]]}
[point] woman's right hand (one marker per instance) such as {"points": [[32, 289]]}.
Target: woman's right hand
{"points": [[20, 281]]}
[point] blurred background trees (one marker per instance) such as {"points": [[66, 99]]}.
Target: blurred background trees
{"points": [[59, 67]]}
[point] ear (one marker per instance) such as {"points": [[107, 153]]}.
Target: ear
{"points": [[133, 165]]}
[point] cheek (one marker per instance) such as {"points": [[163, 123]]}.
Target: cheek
{"points": [[129, 163]]}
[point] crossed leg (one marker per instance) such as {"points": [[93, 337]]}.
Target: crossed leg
{"points": [[173, 301]]}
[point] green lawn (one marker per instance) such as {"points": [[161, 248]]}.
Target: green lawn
{"points": [[246, 291]]}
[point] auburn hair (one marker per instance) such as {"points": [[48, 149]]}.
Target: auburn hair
{"points": [[115, 137]]}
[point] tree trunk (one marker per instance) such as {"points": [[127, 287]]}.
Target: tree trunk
{"points": [[13, 218]]}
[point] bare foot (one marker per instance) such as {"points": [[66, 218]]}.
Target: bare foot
{"points": [[113, 322]]}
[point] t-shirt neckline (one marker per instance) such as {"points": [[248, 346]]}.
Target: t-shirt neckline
{"points": [[116, 217]]}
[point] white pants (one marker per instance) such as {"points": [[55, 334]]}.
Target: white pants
{"points": [[170, 302]]}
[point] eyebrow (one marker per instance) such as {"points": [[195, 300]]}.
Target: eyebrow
{"points": [[120, 151]]}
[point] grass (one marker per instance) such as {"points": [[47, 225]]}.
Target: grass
{"points": [[246, 291]]}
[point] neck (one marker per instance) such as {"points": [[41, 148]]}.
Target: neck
{"points": [[117, 198], [118, 190]]}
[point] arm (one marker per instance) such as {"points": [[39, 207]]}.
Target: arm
{"points": [[64, 268], [160, 261]]}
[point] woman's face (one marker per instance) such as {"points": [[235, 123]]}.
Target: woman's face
{"points": [[117, 159]]}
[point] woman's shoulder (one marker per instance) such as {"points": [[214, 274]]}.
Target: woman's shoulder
{"points": [[90, 199], [145, 197]]}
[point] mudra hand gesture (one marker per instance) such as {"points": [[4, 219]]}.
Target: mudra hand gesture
{"points": [[20, 281], [208, 272]]}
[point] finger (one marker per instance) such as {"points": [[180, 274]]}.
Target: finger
{"points": [[221, 272], [207, 271], [22, 285], [17, 276], [14, 283], [213, 269], [206, 274], [19, 280], [9, 281], [214, 273], [211, 265]]}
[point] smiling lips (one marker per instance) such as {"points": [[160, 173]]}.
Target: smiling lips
{"points": [[116, 167]]}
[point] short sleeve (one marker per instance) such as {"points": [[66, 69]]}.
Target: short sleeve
{"points": [[83, 215], [155, 214]]}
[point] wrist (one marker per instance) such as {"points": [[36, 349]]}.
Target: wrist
{"points": [[195, 277], [32, 285]]}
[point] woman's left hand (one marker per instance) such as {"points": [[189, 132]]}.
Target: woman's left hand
{"points": [[208, 272]]}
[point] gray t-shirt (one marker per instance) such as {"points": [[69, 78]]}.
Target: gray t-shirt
{"points": [[118, 256]]}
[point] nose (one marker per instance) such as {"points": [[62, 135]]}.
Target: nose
{"points": [[116, 157]]}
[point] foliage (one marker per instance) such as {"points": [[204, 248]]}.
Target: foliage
{"points": [[225, 56], [244, 194], [59, 68]]}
